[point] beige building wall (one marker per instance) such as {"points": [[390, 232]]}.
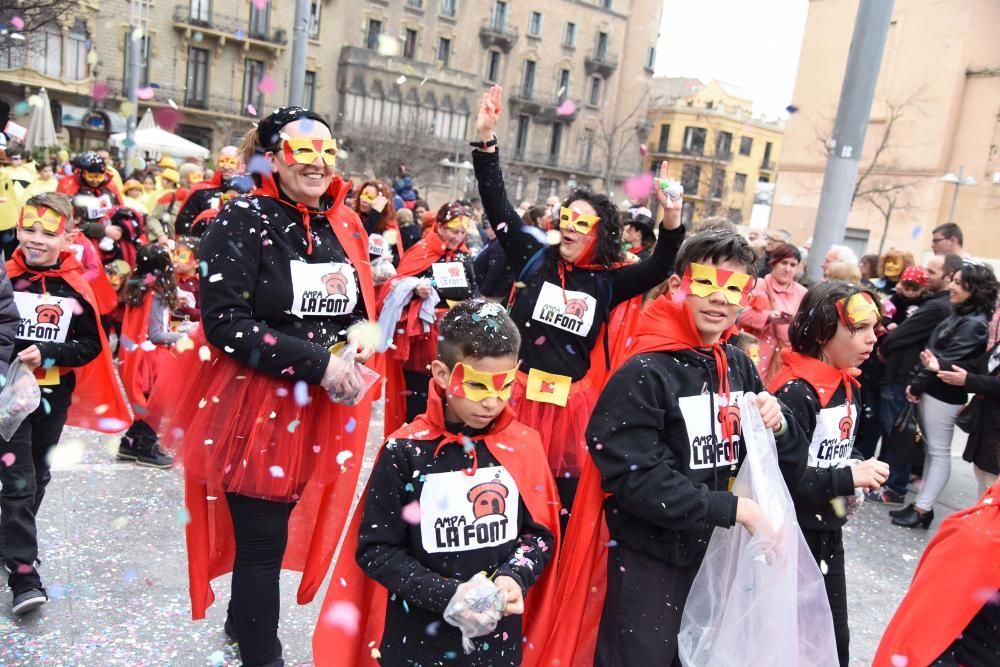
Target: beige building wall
{"points": [[939, 93]]}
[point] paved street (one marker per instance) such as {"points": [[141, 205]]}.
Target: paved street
{"points": [[113, 551]]}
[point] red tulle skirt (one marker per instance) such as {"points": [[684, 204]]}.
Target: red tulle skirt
{"points": [[150, 364], [562, 428], [423, 350], [253, 434]]}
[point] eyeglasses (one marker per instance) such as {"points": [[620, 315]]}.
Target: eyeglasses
{"points": [[937, 239]]}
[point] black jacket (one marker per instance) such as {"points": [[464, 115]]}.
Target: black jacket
{"points": [[667, 471], [829, 438], [9, 320], [422, 563], [901, 347], [960, 338], [493, 272], [983, 446], [554, 338], [196, 202], [249, 307]]}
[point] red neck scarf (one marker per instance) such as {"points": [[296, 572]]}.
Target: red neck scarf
{"points": [[67, 263], [821, 376], [336, 191], [667, 325]]}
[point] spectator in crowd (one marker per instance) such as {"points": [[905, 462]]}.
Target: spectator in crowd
{"points": [[839, 253], [846, 271], [869, 269], [947, 239]]}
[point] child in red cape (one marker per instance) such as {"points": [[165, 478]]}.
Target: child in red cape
{"points": [[463, 488]]}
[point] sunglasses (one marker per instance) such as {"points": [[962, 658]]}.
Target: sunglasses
{"points": [[578, 222], [305, 151]]}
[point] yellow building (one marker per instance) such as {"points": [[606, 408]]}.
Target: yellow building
{"points": [[716, 148]]}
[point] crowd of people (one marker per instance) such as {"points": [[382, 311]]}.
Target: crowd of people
{"points": [[561, 386]]}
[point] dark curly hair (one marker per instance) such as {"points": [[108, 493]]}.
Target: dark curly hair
{"points": [[608, 246], [980, 282], [476, 329], [152, 260], [817, 319]]}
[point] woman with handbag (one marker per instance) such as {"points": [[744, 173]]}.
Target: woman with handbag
{"points": [[959, 339], [981, 417], [774, 301]]}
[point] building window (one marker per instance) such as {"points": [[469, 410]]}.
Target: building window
{"points": [[661, 146], [724, 145], [555, 142], [763, 179], [602, 45], [415, 4], [46, 50], [535, 24], [144, 60], [694, 141], [766, 162], [736, 216], [197, 78], [521, 141], [253, 72], [746, 144], [717, 184], [493, 66], [500, 14], [650, 58], [449, 8], [315, 8], [595, 91], [562, 91], [444, 51], [410, 44], [691, 179], [372, 35], [76, 53], [569, 34], [588, 148], [259, 19], [309, 90], [687, 213], [528, 79], [606, 4], [201, 11], [739, 183], [547, 187]]}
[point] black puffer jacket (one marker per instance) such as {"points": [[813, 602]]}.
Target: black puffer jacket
{"points": [[983, 447], [960, 338]]}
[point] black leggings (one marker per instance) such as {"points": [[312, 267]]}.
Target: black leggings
{"points": [[827, 546], [261, 531]]}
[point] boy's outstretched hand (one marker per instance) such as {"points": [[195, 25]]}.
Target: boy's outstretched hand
{"points": [[515, 598], [489, 115], [770, 411]]}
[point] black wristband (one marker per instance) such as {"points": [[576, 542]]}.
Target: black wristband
{"points": [[484, 144]]}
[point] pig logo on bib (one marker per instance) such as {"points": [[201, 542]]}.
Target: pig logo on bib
{"points": [[336, 284], [576, 307], [730, 416], [846, 426], [488, 499], [49, 313]]}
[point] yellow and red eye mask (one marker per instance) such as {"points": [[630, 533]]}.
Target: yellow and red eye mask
{"points": [[183, 255], [305, 151], [458, 222], [51, 221], [701, 280], [224, 162], [577, 222], [368, 197], [857, 309], [467, 382]]}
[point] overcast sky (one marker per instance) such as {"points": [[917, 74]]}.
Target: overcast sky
{"points": [[751, 43]]}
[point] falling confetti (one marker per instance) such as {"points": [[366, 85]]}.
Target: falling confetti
{"points": [[916, 232], [252, 110], [266, 84], [643, 149], [167, 118], [899, 660], [567, 108], [553, 237], [292, 425], [411, 513], [638, 188], [791, 108], [277, 472], [17, 22], [343, 615], [183, 516], [401, 80], [66, 454], [100, 91], [171, 102], [343, 456], [8, 459], [126, 108], [301, 394], [259, 165], [204, 353], [388, 46], [351, 424], [146, 93]]}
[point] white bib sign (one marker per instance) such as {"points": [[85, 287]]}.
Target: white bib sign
{"points": [[323, 290], [448, 275], [98, 207], [833, 438], [44, 318], [460, 512], [377, 247], [709, 449], [570, 311]]}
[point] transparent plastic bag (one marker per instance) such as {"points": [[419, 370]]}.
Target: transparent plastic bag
{"points": [[353, 381], [475, 609], [19, 397], [383, 270], [758, 600]]}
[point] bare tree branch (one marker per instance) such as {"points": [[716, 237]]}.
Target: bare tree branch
{"points": [[615, 138]]}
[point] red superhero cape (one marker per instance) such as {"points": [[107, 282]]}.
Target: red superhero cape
{"points": [[665, 325], [958, 573], [98, 403], [131, 354], [321, 514], [517, 448], [821, 376], [415, 261], [70, 186]]}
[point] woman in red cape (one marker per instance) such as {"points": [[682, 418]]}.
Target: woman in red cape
{"points": [[270, 462], [98, 403], [413, 349], [339, 643], [949, 615]]}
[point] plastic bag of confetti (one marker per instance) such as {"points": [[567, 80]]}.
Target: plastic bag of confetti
{"points": [[758, 599], [475, 609], [19, 397], [383, 270], [355, 380]]}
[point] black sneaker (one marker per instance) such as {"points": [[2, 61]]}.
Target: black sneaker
{"points": [[28, 601], [151, 456], [127, 449], [886, 497]]}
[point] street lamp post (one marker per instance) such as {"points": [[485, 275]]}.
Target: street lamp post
{"points": [[958, 181], [455, 166]]}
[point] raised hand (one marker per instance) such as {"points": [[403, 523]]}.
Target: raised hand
{"points": [[671, 206], [489, 113]]}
